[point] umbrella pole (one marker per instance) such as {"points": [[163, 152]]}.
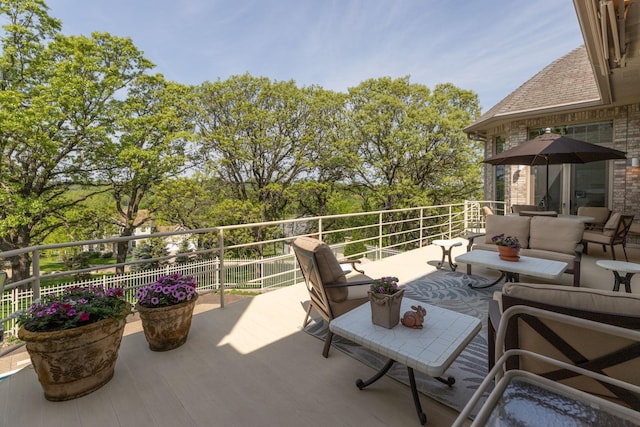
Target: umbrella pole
{"points": [[546, 186]]}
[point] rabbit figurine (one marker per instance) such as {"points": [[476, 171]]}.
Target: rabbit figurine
{"points": [[414, 319]]}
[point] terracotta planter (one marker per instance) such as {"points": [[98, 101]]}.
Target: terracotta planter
{"points": [[166, 328], [75, 362], [385, 309], [508, 254]]}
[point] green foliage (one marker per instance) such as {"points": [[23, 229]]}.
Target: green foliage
{"points": [[152, 248], [92, 144], [58, 103], [354, 248], [410, 143]]}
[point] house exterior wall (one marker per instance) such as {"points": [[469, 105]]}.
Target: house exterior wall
{"points": [[626, 137]]}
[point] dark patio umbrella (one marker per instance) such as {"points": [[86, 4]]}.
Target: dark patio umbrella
{"points": [[552, 149]]}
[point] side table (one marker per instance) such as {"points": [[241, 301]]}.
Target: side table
{"points": [[618, 267], [447, 245]]}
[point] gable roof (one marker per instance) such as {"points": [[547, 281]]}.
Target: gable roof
{"points": [[566, 83]]}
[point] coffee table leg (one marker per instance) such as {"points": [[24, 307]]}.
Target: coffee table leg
{"points": [[626, 281], [362, 384], [446, 255], [498, 280], [416, 397]]}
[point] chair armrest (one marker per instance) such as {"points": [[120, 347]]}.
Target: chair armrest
{"points": [[494, 313], [346, 284], [492, 327], [577, 259], [353, 264], [471, 238]]}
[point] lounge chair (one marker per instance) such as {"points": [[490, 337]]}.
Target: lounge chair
{"points": [[614, 233], [584, 348], [331, 293]]}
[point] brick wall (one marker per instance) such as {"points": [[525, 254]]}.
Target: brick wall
{"points": [[625, 196]]}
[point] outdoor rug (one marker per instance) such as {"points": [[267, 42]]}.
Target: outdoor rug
{"points": [[448, 290]]}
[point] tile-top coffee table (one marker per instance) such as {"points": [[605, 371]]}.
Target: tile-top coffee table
{"points": [[536, 267], [430, 350]]}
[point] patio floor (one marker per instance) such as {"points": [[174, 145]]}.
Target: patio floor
{"points": [[249, 363]]}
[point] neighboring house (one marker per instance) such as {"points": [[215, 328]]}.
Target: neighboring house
{"points": [[146, 228], [174, 243], [591, 94]]}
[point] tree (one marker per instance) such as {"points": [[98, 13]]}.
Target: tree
{"points": [[58, 101], [320, 190], [410, 144], [257, 134], [150, 249], [152, 131]]}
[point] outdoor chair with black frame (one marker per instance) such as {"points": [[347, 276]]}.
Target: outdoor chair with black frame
{"points": [[600, 215], [331, 293], [614, 233], [586, 349], [560, 368]]}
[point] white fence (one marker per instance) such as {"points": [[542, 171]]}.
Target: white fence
{"points": [[242, 274]]}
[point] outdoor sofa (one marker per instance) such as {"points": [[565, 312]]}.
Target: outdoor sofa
{"points": [[557, 239]]}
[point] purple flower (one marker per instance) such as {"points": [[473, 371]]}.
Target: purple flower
{"points": [[71, 313]]}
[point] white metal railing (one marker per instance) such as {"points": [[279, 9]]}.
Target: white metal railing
{"points": [[383, 233]]}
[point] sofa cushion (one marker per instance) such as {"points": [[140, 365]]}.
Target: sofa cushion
{"points": [[611, 225], [596, 300], [328, 266], [612, 222], [517, 226], [555, 234]]}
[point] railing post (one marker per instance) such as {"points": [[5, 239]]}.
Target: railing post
{"points": [[380, 235], [221, 258], [421, 227], [35, 286], [450, 221], [320, 229]]}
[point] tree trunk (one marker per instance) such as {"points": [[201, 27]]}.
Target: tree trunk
{"points": [[122, 249]]}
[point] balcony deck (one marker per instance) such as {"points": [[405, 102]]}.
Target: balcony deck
{"points": [[248, 363]]}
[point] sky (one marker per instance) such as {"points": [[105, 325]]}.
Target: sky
{"points": [[487, 46]]}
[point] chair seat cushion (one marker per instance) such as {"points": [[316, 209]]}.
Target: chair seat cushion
{"points": [[593, 236]]}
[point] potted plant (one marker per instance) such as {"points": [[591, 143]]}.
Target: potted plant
{"points": [[166, 307], [508, 247], [385, 297], [73, 338]]}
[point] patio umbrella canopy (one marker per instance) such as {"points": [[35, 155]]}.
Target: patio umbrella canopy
{"points": [[552, 149]]}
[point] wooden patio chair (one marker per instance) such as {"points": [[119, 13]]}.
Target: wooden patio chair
{"points": [[614, 233], [584, 348], [330, 292]]}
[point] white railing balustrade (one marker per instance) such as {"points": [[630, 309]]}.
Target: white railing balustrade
{"points": [[234, 258]]}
